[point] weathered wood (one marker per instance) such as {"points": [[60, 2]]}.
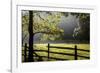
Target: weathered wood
{"points": [[83, 56], [54, 52], [25, 52], [61, 53], [83, 50], [61, 47], [75, 49], [48, 51], [76, 52], [69, 48]]}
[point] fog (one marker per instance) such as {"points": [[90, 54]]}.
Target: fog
{"points": [[68, 24]]}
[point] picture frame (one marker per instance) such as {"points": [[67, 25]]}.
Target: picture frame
{"points": [[18, 66]]}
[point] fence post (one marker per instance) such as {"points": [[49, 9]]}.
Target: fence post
{"points": [[48, 51], [25, 52], [75, 52]]}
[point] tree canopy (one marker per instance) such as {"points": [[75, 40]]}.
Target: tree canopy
{"points": [[83, 29], [43, 22]]}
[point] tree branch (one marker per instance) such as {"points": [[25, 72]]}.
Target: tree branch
{"points": [[43, 32]]}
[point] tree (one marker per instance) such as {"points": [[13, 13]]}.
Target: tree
{"points": [[25, 23], [43, 22], [39, 22], [82, 31], [30, 30]]}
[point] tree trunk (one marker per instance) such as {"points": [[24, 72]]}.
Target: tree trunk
{"points": [[30, 28]]}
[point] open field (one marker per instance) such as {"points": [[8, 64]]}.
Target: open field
{"points": [[67, 57]]}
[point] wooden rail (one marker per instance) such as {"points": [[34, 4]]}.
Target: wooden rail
{"points": [[75, 54]]}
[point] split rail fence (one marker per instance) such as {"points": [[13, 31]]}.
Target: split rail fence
{"points": [[39, 58]]}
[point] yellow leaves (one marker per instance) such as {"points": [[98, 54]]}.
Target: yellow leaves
{"points": [[44, 22]]}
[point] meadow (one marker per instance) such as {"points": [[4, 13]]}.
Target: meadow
{"points": [[79, 46]]}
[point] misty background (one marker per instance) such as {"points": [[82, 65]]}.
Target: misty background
{"points": [[68, 24]]}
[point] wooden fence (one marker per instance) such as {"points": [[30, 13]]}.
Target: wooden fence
{"points": [[39, 58]]}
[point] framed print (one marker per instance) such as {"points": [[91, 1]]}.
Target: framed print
{"points": [[52, 36]]}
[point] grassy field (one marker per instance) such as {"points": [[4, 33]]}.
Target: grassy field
{"points": [[79, 46]]}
